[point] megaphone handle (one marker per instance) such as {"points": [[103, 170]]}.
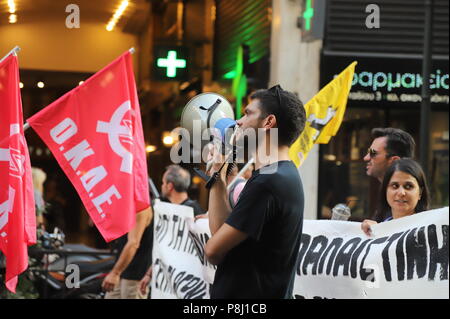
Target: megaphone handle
{"points": [[230, 168], [212, 180], [216, 175]]}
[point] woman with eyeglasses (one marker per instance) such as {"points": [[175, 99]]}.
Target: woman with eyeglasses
{"points": [[404, 192]]}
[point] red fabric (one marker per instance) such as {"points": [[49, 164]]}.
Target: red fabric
{"points": [[17, 211], [95, 134]]}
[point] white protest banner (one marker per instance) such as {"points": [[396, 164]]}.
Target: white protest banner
{"points": [[404, 258], [200, 234], [177, 266]]}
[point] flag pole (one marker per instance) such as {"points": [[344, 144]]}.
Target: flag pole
{"points": [[26, 126], [13, 51]]}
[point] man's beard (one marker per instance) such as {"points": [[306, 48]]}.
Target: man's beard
{"points": [[247, 144]]}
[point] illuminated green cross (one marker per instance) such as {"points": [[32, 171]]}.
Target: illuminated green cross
{"points": [[171, 63], [308, 14]]}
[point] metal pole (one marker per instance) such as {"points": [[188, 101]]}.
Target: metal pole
{"points": [[13, 51], [426, 102]]}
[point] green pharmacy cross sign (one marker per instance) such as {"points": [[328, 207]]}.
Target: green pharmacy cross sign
{"points": [[308, 15], [171, 63], [312, 20]]}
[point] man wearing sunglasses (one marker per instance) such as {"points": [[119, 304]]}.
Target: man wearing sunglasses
{"points": [[256, 244], [389, 144]]}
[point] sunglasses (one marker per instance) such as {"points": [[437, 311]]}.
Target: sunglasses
{"points": [[275, 90], [372, 153]]}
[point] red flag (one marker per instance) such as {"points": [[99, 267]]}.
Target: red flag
{"points": [[95, 134], [17, 211]]}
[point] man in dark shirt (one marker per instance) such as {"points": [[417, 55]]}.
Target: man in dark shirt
{"points": [[175, 184], [133, 249], [255, 246]]}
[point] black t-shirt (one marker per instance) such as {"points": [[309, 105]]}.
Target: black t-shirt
{"points": [[198, 210], [143, 257], [270, 211]]}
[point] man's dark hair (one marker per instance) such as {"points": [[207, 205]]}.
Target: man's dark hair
{"points": [[398, 143], [288, 110]]}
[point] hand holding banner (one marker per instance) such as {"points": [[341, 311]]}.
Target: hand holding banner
{"points": [[405, 257]]}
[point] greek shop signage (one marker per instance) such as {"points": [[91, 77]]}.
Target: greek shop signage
{"points": [[390, 80]]}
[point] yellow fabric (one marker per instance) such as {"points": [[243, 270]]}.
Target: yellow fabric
{"points": [[324, 115]]}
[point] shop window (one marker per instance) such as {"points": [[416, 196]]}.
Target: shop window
{"points": [[342, 172]]}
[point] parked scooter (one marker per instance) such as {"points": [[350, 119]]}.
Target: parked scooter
{"points": [[69, 271]]}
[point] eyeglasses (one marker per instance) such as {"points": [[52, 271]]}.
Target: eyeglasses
{"points": [[372, 153]]}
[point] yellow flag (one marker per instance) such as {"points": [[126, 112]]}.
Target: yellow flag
{"points": [[324, 115]]}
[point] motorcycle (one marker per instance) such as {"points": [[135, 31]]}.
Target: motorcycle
{"points": [[68, 271]]}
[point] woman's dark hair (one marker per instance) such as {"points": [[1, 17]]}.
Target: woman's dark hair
{"points": [[412, 168]]}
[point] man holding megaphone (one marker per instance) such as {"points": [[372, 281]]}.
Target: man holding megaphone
{"points": [[255, 245]]}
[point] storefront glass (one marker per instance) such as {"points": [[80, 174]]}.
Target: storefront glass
{"points": [[377, 103]]}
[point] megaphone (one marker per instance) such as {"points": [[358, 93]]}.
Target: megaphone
{"points": [[212, 111], [204, 112]]}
